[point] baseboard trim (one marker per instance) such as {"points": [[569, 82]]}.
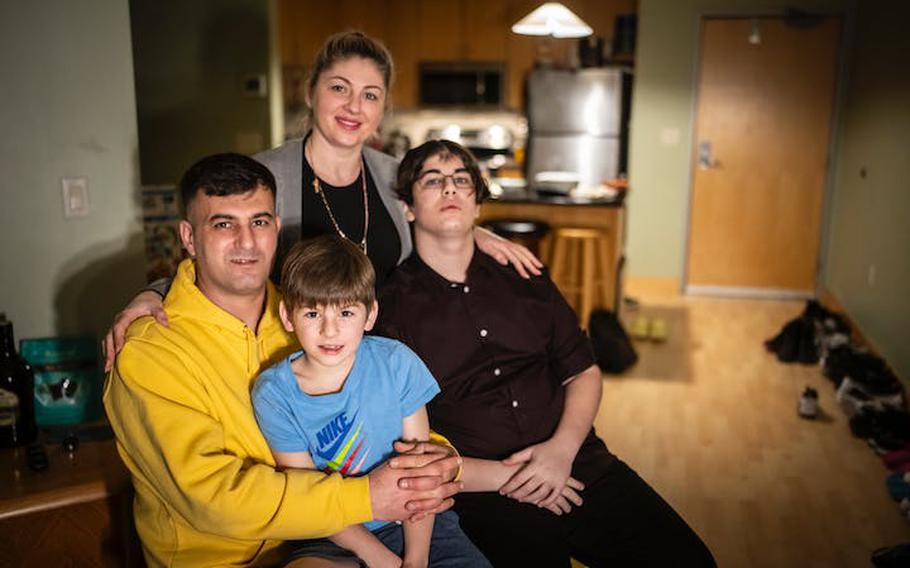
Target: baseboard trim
{"points": [[651, 287], [746, 292]]}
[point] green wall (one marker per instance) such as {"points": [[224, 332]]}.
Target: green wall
{"points": [[870, 214], [67, 110], [866, 217], [191, 60], [663, 105]]}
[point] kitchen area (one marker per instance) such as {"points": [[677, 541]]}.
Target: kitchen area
{"points": [[545, 110]]}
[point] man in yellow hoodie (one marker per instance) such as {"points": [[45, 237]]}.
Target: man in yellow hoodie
{"points": [[207, 491]]}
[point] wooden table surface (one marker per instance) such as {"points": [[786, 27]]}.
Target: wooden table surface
{"points": [[77, 512], [93, 472]]}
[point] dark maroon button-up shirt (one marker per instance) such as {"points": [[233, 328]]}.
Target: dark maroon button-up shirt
{"points": [[500, 346]]}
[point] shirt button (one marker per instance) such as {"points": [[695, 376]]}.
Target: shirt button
{"points": [[467, 289], [453, 285], [483, 333], [497, 372], [514, 404]]}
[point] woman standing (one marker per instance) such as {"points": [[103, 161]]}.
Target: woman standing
{"points": [[330, 181]]}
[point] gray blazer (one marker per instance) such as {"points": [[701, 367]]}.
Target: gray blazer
{"points": [[286, 163]]}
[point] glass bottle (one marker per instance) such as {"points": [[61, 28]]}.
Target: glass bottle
{"points": [[17, 392]]}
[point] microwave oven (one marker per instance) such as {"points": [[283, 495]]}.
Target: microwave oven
{"points": [[462, 84]]}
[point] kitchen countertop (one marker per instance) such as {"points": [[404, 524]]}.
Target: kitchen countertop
{"points": [[532, 197]]}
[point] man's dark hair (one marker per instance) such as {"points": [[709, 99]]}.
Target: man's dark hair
{"points": [[412, 163], [328, 270], [224, 174]]}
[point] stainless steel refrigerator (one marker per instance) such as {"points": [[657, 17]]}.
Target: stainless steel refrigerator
{"points": [[577, 124]]}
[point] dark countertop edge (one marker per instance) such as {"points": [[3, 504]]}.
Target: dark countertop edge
{"points": [[559, 201]]}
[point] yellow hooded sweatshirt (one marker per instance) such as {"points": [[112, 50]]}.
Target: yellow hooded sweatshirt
{"points": [[207, 492]]}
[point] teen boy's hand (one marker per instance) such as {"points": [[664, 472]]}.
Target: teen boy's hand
{"points": [[568, 498], [547, 467]]}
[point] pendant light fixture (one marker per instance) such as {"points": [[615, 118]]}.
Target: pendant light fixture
{"points": [[554, 20]]}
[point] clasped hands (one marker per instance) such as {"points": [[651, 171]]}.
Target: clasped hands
{"points": [[417, 482], [544, 478]]}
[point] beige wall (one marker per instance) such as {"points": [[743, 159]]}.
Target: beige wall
{"points": [[663, 103], [67, 110], [869, 224]]}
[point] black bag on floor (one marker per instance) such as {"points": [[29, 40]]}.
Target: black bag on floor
{"points": [[612, 347], [796, 342]]}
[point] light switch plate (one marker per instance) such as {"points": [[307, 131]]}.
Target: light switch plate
{"points": [[669, 136], [75, 197]]}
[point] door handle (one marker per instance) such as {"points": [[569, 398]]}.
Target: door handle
{"points": [[704, 155]]}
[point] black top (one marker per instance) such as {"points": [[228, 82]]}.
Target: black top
{"points": [[500, 347], [383, 244]]}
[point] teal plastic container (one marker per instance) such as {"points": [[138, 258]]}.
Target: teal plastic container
{"points": [[67, 379]]}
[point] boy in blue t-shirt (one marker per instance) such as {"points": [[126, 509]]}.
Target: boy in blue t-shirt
{"points": [[340, 403]]}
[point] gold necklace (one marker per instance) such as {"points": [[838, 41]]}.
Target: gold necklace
{"points": [[366, 204]]}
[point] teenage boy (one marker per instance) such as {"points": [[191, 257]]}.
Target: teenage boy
{"points": [[519, 392], [207, 491], [340, 403]]}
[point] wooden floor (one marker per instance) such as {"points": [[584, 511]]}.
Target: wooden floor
{"points": [[709, 420]]}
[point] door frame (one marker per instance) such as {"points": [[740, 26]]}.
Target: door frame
{"points": [[842, 71]]}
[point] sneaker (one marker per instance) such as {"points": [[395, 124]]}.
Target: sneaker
{"points": [[896, 458], [853, 397], [885, 430], [899, 486], [892, 556], [840, 362], [880, 381], [904, 505], [639, 328], [808, 403], [658, 331]]}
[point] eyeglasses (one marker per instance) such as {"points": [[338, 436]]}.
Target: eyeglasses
{"points": [[461, 181]]}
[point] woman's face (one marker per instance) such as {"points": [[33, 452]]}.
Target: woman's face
{"points": [[348, 102]]}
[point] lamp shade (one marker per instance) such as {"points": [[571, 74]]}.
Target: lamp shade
{"points": [[552, 19]]}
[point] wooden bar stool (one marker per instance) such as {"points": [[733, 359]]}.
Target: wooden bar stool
{"points": [[579, 267], [527, 232]]}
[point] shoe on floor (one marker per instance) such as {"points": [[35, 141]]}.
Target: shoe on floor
{"points": [[658, 331], [853, 396], [892, 556], [896, 458], [639, 328], [898, 486]]}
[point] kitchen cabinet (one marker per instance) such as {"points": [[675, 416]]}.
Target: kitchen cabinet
{"points": [[435, 30]]}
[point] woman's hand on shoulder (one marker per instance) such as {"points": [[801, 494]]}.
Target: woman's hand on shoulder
{"points": [[507, 252], [147, 303]]}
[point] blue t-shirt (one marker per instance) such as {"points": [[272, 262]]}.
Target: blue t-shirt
{"points": [[350, 431]]}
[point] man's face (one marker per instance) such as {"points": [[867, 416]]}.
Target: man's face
{"points": [[448, 209], [233, 240]]}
